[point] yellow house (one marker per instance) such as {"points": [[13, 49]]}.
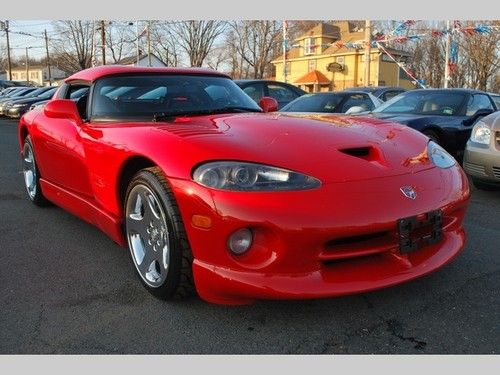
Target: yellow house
{"points": [[318, 61]]}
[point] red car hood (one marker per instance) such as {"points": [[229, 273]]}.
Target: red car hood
{"points": [[331, 148]]}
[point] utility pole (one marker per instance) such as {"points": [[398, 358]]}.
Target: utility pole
{"points": [[368, 42], [27, 68], [284, 50], [149, 43], [447, 55], [103, 41], [9, 64], [48, 56]]}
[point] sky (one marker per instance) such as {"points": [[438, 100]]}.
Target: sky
{"points": [[19, 42]]}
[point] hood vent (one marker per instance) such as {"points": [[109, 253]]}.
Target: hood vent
{"points": [[368, 153]]}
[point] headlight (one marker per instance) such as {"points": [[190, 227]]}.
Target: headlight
{"points": [[239, 176], [481, 133], [439, 156]]}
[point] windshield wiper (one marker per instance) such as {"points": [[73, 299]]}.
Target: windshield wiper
{"points": [[234, 109]]}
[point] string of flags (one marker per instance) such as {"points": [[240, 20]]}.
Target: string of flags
{"points": [[396, 37]]}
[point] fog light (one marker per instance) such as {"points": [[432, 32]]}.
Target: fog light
{"points": [[240, 241]]}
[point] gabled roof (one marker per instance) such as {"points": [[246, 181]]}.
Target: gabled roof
{"points": [[322, 29], [92, 74], [313, 77], [133, 59]]}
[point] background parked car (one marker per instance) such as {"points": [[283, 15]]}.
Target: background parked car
{"points": [[22, 92], [16, 108], [444, 115], [482, 153], [496, 99], [334, 102], [5, 83], [384, 93], [284, 93]]}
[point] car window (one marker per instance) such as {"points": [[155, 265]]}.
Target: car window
{"points": [[325, 103], [496, 99], [148, 96], [281, 93], [424, 102], [255, 91], [356, 100], [476, 102], [390, 94]]}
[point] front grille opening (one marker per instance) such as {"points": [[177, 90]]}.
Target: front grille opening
{"points": [[345, 241], [333, 262]]}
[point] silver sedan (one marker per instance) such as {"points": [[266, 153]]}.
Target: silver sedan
{"points": [[482, 153]]}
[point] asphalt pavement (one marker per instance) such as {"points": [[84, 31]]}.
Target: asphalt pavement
{"points": [[66, 288]]}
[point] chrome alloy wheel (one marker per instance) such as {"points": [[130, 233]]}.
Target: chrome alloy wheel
{"points": [[147, 235], [29, 170]]}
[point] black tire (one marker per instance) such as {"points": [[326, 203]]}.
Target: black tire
{"points": [[33, 190], [433, 136], [483, 186], [178, 282]]}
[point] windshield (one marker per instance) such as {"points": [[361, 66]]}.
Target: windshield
{"points": [[425, 103], [155, 96]]}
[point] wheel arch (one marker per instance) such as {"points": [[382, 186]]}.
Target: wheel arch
{"points": [[128, 170]]}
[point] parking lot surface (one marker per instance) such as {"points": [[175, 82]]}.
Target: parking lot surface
{"points": [[66, 288]]}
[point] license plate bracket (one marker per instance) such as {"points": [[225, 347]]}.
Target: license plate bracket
{"points": [[416, 232]]}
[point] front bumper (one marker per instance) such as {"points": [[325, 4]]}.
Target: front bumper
{"points": [[482, 162], [292, 256]]}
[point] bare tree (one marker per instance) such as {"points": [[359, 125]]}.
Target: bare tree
{"points": [[3, 57], [163, 43], [120, 39], [196, 38], [73, 47], [257, 42], [480, 58]]}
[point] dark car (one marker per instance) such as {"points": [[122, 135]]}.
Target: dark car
{"points": [[444, 115], [20, 93], [284, 93], [5, 83], [384, 93], [18, 107], [334, 102]]}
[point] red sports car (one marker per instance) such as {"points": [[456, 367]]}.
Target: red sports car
{"points": [[214, 196]]}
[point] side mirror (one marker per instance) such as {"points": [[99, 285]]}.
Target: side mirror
{"points": [[62, 108], [355, 109], [476, 116], [268, 104]]}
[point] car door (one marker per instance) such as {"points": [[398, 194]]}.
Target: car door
{"points": [[60, 153]]}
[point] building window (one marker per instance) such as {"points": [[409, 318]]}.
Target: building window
{"points": [[288, 68], [309, 46], [33, 75], [311, 65]]}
